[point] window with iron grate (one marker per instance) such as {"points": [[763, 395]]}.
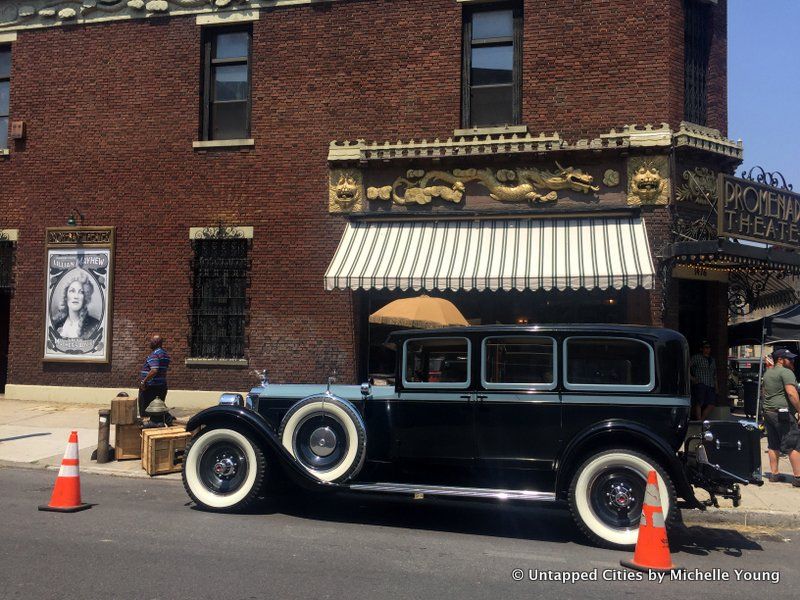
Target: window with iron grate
{"points": [[697, 47], [6, 265], [220, 303]]}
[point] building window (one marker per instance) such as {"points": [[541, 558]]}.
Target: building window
{"points": [[220, 279], [697, 46], [226, 84], [492, 65], [5, 93]]}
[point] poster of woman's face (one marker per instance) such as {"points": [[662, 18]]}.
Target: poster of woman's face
{"points": [[77, 304]]}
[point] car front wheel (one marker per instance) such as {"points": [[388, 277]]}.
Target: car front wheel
{"points": [[607, 492], [223, 470]]}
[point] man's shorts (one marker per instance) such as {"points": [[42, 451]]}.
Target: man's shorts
{"points": [[703, 395], [783, 434]]}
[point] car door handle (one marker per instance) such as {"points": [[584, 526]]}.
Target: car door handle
{"points": [[481, 397]]}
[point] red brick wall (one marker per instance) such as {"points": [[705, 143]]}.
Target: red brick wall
{"points": [[111, 111], [591, 66]]}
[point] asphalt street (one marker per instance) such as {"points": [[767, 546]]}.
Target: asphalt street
{"points": [[144, 540]]}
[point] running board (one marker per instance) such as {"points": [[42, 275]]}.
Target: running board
{"points": [[420, 492]]}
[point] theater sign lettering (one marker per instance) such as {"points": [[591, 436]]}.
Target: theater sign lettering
{"points": [[756, 211]]}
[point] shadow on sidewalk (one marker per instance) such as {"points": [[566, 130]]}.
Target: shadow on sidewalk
{"points": [[24, 436]]}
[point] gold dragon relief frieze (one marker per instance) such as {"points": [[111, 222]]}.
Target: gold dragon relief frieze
{"points": [[520, 185]]}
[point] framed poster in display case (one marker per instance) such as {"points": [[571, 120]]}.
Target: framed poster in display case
{"points": [[78, 294]]}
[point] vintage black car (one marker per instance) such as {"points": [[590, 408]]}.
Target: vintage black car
{"points": [[572, 414]]}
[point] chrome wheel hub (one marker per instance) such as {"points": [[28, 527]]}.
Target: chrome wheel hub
{"points": [[225, 467], [322, 441], [620, 496]]}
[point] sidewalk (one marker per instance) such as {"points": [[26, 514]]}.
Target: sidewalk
{"points": [[35, 434], [772, 504]]}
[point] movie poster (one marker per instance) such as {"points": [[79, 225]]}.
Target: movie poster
{"points": [[78, 299]]}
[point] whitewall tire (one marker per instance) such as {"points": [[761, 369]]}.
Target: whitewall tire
{"points": [[223, 470], [606, 495], [326, 435]]}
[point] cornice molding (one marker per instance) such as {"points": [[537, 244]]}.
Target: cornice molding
{"points": [[628, 137], [16, 15], [709, 140]]}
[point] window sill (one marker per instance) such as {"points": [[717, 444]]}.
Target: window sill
{"points": [[503, 130], [216, 144], [217, 362], [4, 152]]}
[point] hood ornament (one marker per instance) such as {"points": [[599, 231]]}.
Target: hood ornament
{"points": [[262, 377], [331, 381]]}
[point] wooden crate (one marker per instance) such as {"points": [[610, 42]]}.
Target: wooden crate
{"points": [[128, 441], [123, 411], [159, 445]]}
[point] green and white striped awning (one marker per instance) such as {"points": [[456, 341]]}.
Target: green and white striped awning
{"points": [[502, 254]]}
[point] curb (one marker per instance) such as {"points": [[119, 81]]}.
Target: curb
{"points": [[92, 471], [744, 518]]}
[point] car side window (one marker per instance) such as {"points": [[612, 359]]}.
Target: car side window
{"points": [[606, 363], [516, 362], [436, 362]]}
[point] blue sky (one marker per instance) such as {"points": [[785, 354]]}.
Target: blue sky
{"points": [[764, 83]]}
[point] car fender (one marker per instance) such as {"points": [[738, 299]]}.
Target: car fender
{"points": [[618, 429], [251, 422]]}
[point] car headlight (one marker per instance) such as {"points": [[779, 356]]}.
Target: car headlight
{"points": [[237, 400], [231, 400]]}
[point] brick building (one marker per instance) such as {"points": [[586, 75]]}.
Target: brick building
{"points": [[229, 144]]}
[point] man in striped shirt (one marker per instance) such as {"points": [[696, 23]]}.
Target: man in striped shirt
{"points": [[153, 376]]}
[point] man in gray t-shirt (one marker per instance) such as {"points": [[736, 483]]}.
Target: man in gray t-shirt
{"points": [[781, 401]]}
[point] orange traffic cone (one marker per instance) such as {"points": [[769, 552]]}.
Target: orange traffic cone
{"points": [[67, 491], [652, 546]]}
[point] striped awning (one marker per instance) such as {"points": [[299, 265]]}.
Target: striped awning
{"points": [[502, 254]]}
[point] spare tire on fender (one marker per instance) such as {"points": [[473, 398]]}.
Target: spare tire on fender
{"points": [[326, 434]]}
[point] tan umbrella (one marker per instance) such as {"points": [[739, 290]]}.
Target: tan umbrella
{"points": [[422, 312]]}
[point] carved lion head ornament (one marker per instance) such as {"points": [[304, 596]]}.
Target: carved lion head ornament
{"points": [[346, 191], [648, 183]]}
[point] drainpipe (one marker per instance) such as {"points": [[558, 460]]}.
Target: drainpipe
{"points": [[761, 368]]}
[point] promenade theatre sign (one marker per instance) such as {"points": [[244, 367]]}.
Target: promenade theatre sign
{"points": [[759, 212]]}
